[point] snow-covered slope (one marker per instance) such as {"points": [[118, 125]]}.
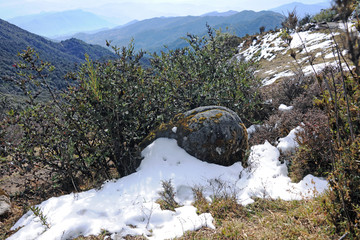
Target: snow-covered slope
{"points": [[128, 205], [312, 50]]}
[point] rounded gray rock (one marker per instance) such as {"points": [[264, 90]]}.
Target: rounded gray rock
{"points": [[213, 134]]}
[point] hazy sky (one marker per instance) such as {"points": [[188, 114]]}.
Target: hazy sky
{"points": [[124, 10]]}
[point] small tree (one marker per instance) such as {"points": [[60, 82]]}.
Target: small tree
{"points": [[290, 21], [262, 29], [306, 19]]}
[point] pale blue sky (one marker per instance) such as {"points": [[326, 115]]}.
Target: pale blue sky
{"points": [[124, 10]]}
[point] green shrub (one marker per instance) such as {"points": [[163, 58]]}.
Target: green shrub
{"points": [[84, 133], [88, 130], [285, 36], [341, 100], [115, 104], [206, 73], [326, 15]]}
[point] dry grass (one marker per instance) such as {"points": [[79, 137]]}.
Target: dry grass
{"points": [[273, 219]]}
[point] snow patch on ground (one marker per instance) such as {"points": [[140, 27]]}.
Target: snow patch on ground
{"points": [[127, 205], [310, 40], [270, 45], [288, 144], [285, 108], [252, 129], [271, 80]]}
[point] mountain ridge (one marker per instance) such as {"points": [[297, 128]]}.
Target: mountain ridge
{"points": [[152, 34], [63, 55], [301, 9], [52, 24]]}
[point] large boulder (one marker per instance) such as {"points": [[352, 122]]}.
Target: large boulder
{"points": [[5, 205], [213, 134]]}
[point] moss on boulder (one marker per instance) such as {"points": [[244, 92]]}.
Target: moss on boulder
{"points": [[213, 134]]}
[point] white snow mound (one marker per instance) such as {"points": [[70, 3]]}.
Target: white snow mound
{"points": [[127, 205]]}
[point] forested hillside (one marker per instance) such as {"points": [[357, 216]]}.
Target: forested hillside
{"points": [[153, 34], [63, 55]]}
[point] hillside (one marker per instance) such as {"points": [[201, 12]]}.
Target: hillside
{"points": [[62, 55], [273, 53], [53, 24], [153, 34], [110, 159]]}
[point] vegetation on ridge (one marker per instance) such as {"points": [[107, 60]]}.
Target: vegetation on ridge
{"points": [[152, 34]]}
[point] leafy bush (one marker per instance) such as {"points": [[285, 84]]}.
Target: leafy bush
{"points": [[326, 15], [345, 8], [95, 127], [206, 73], [285, 36], [343, 111], [115, 103]]}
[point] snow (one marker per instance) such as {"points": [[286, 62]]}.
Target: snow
{"points": [[268, 81], [288, 144], [311, 40], [252, 129], [285, 108], [270, 45], [350, 26], [128, 205]]}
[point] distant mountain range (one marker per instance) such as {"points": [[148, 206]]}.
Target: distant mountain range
{"points": [[301, 8], [220, 14], [153, 34], [63, 55], [53, 24], [61, 25]]}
